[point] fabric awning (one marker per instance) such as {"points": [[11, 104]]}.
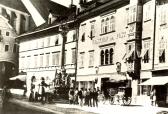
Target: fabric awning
{"points": [[161, 52], [130, 53], [144, 52], [19, 77], [161, 80]]}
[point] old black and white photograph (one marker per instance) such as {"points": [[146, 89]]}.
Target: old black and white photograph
{"points": [[83, 56]]}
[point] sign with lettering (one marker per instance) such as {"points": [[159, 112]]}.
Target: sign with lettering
{"points": [[110, 38]]}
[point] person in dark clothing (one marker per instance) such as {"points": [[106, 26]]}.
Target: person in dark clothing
{"points": [[71, 96], [90, 98], [95, 97], [80, 94], [43, 86]]}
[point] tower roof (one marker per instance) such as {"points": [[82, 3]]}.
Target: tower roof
{"points": [[14, 4]]}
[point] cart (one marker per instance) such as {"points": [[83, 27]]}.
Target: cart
{"points": [[123, 96]]}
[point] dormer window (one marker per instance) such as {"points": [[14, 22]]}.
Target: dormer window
{"points": [[83, 37]]}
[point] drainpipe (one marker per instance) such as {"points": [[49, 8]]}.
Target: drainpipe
{"points": [[154, 35]]}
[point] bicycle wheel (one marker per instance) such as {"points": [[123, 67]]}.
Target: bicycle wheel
{"points": [[111, 100], [126, 100]]}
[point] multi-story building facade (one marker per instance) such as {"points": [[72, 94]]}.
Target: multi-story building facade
{"points": [[14, 20], [48, 50], [109, 43], [154, 46]]}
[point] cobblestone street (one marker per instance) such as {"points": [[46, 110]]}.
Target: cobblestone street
{"points": [[24, 107]]}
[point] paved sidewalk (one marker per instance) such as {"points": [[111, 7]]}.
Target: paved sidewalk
{"points": [[62, 108]]}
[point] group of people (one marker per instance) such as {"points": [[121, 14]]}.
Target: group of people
{"points": [[39, 90], [88, 97]]}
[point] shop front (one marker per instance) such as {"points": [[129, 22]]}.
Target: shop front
{"points": [[159, 84]]}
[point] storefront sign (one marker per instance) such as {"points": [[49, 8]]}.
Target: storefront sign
{"points": [[109, 38]]}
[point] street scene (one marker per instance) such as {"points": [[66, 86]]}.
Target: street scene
{"points": [[83, 56]]}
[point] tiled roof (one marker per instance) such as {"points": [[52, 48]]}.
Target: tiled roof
{"points": [[43, 7], [15, 4]]}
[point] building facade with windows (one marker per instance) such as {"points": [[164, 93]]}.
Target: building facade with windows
{"points": [[49, 49], [14, 20], [153, 54], [109, 43]]}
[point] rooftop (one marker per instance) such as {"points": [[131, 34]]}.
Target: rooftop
{"points": [[14, 4]]}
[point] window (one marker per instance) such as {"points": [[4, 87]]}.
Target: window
{"points": [[106, 57], [13, 20], [28, 61], [6, 47], [14, 48], [91, 58], [73, 55], [163, 16], [102, 26], [55, 58], [106, 28], [112, 24], [146, 57], [82, 59], [7, 33], [83, 32], [111, 56], [132, 14], [65, 57], [130, 54], [74, 36], [22, 62], [35, 60], [41, 60], [47, 59], [92, 32], [145, 52], [161, 56], [162, 48], [127, 16], [83, 37], [56, 40], [23, 24], [48, 41], [147, 12], [102, 57]]}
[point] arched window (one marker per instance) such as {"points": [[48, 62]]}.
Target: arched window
{"points": [[111, 56], [102, 26], [106, 25], [102, 57], [112, 24], [106, 56]]}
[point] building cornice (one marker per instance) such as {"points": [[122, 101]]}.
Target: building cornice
{"points": [[54, 28], [111, 5]]}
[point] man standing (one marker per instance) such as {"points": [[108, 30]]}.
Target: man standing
{"points": [[80, 94], [71, 96], [95, 97]]}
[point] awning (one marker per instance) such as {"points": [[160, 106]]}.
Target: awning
{"points": [[161, 80], [19, 77], [144, 52], [161, 52], [130, 53]]}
